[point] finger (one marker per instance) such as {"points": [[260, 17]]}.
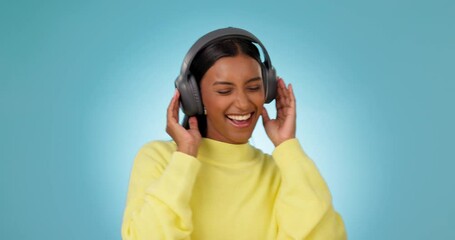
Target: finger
{"points": [[285, 94], [281, 102], [170, 106], [193, 123], [176, 104], [280, 95], [281, 86], [292, 112], [172, 110], [292, 97], [289, 93], [265, 116]]}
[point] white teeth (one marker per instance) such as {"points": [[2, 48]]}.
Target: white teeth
{"points": [[239, 117]]}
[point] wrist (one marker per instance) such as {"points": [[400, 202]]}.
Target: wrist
{"points": [[189, 150], [279, 141]]}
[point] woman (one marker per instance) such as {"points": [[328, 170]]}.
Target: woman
{"points": [[209, 182]]}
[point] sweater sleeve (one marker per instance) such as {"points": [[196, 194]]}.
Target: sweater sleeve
{"points": [[159, 192], [303, 208]]}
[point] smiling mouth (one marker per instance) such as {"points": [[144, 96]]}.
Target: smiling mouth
{"points": [[240, 120]]}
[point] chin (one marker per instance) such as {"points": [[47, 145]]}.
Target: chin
{"points": [[241, 137]]}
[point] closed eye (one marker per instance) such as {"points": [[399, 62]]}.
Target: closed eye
{"points": [[254, 88], [224, 92]]}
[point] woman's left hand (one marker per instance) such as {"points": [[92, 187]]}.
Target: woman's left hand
{"points": [[283, 127]]}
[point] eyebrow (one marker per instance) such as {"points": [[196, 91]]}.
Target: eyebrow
{"points": [[230, 83]]}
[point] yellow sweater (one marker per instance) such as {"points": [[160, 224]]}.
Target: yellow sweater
{"points": [[229, 192]]}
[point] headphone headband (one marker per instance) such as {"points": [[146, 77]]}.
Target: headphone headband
{"points": [[220, 34]]}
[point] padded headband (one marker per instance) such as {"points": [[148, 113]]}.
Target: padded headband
{"points": [[217, 35]]}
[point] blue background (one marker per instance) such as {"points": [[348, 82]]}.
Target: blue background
{"points": [[84, 84]]}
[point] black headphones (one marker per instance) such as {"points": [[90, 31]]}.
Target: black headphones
{"points": [[186, 82]]}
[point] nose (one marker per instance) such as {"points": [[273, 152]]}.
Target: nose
{"points": [[242, 100]]}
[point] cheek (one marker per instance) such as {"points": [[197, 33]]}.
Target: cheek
{"points": [[259, 99], [259, 102], [209, 101], [215, 107]]}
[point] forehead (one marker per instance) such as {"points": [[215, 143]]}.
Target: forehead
{"points": [[238, 69]]}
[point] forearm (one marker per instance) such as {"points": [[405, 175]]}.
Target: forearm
{"points": [[159, 208], [304, 203]]}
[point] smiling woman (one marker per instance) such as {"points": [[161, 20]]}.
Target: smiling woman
{"points": [[209, 182]]}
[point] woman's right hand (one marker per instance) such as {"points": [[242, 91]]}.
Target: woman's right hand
{"points": [[187, 140]]}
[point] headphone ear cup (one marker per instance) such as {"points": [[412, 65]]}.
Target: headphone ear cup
{"points": [[196, 103], [269, 76], [265, 80], [189, 95]]}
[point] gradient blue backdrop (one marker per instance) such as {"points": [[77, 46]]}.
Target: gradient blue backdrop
{"points": [[84, 84]]}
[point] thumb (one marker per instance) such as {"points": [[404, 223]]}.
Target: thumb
{"points": [[193, 123], [265, 116]]}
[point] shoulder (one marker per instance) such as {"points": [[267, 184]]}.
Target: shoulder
{"points": [[156, 151], [158, 146], [151, 160], [266, 159]]}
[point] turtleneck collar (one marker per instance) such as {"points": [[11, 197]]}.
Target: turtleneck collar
{"points": [[217, 152]]}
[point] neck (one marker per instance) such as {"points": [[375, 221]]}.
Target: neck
{"points": [[225, 153]]}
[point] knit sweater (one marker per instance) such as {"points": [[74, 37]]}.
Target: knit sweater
{"points": [[229, 191]]}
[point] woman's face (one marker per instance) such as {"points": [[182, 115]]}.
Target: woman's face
{"points": [[233, 95]]}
